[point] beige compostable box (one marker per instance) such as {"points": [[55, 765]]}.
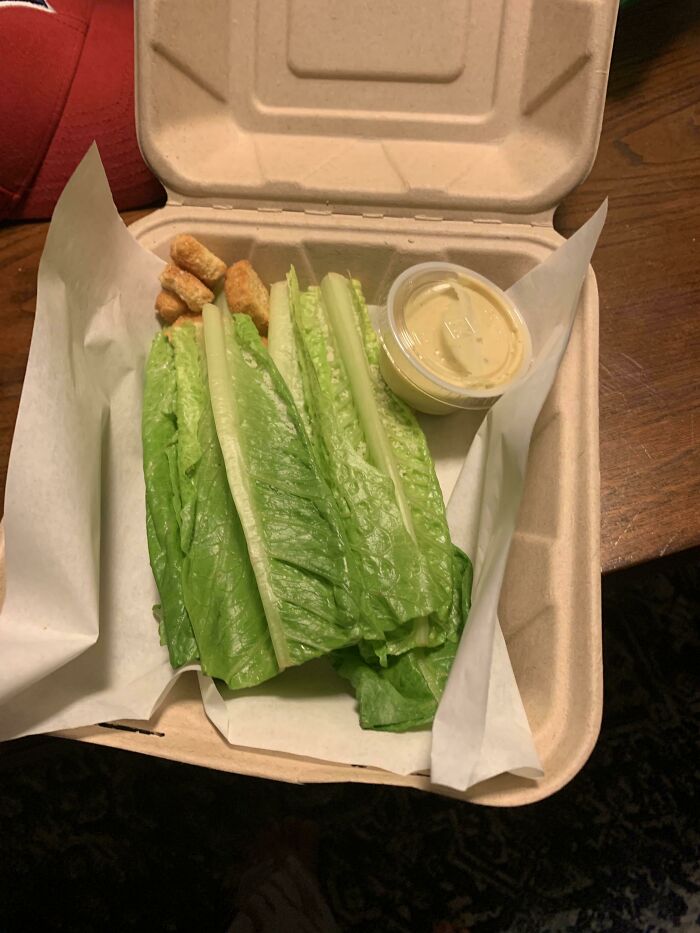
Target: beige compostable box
{"points": [[369, 136]]}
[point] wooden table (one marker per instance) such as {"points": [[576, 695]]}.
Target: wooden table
{"points": [[648, 276], [649, 282]]}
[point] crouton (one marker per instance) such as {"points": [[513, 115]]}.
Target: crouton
{"points": [[192, 256], [246, 294], [188, 319], [169, 306], [194, 293]]}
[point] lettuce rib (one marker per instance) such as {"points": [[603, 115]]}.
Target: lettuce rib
{"points": [[282, 347]]}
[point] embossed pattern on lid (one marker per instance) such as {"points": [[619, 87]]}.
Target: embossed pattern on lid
{"points": [[470, 106]]}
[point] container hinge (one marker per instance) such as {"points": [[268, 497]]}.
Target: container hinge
{"points": [[263, 208], [541, 220], [327, 210]]}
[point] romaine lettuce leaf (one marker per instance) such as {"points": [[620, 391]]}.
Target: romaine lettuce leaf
{"points": [[378, 465], [159, 434], [405, 694], [292, 528], [381, 545], [415, 464], [218, 583], [438, 630], [421, 489]]}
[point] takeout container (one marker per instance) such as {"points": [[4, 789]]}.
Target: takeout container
{"points": [[368, 138]]}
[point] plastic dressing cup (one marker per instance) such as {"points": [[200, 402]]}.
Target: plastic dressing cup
{"points": [[451, 339]]}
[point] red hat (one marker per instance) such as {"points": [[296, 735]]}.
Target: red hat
{"points": [[67, 74]]}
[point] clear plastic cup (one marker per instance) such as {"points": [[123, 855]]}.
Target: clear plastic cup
{"points": [[451, 339]]}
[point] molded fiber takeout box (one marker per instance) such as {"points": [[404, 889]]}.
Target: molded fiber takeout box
{"points": [[326, 134]]}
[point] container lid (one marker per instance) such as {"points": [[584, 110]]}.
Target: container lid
{"points": [[475, 107]]}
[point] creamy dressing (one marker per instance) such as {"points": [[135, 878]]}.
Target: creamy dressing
{"points": [[462, 332], [450, 339]]}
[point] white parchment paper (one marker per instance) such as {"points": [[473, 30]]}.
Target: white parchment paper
{"points": [[77, 640], [78, 643]]}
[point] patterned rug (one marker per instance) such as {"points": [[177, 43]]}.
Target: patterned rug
{"points": [[98, 840]]}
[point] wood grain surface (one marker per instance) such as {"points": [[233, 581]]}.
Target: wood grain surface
{"points": [[648, 275]]}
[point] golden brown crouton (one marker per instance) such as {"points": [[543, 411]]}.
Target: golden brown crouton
{"points": [[192, 256], [246, 294], [194, 293], [188, 319], [169, 306]]}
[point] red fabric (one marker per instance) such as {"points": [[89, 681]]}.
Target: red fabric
{"points": [[67, 79]]}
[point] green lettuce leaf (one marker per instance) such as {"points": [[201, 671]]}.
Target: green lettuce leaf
{"points": [[381, 546], [405, 694], [421, 490], [292, 528], [218, 582], [160, 438], [415, 464], [437, 631], [378, 466]]}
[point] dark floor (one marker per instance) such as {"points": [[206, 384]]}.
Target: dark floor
{"points": [[94, 839]]}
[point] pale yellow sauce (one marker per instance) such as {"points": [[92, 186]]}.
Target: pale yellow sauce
{"points": [[463, 333]]}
